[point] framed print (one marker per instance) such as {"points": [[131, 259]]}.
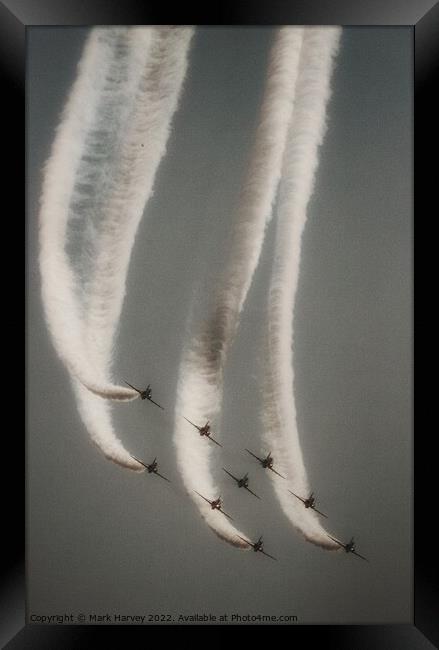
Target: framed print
{"points": [[219, 371]]}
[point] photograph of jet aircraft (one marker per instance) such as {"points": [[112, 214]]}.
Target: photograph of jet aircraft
{"points": [[145, 394], [216, 504], [152, 468], [183, 231], [267, 462], [258, 546], [242, 482], [310, 502], [204, 431]]}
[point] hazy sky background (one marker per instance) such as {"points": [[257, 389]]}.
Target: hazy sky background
{"points": [[102, 539]]}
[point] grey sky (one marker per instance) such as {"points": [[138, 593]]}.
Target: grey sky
{"points": [[101, 539]]}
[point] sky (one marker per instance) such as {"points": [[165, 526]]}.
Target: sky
{"points": [[101, 539]]}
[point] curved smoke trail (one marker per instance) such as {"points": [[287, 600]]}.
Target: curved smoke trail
{"points": [[127, 192], [199, 391], [60, 196], [103, 164], [76, 175], [130, 185], [306, 133]]}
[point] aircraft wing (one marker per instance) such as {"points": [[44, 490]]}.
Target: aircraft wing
{"points": [[320, 513], [255, 495], [136, 389], [139, 461], [213, 440], [161, 476], [151, 400], [358, 555], [200, 495], [225, 514], [193, 424], [245, 540], [297, 497], [254, 455], [234, 477], [268, 555], [336, 541], [273, 470]]}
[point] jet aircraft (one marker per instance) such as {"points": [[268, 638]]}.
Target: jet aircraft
{"points": [[257, 546], [216, 504], [145, 394], [242, 482], [151, 468], [267, 462], [309, 502], [349, 547], [204, 431]]}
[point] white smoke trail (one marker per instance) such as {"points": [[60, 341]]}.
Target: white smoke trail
{"points": [[130, 186], [59, 284], [199, 391], [114, 133], [128, 191], [306, 133]]}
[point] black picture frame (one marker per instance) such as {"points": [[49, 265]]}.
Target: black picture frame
{"points": [[423, 17]]}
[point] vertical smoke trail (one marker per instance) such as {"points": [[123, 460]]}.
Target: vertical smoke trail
{"points": [[97, 77], [199, 390], [128, 190], [100, 175], [306, 133], [130, 185]]}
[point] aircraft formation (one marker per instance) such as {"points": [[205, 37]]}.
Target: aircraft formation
{"points": [[243, 482]]}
